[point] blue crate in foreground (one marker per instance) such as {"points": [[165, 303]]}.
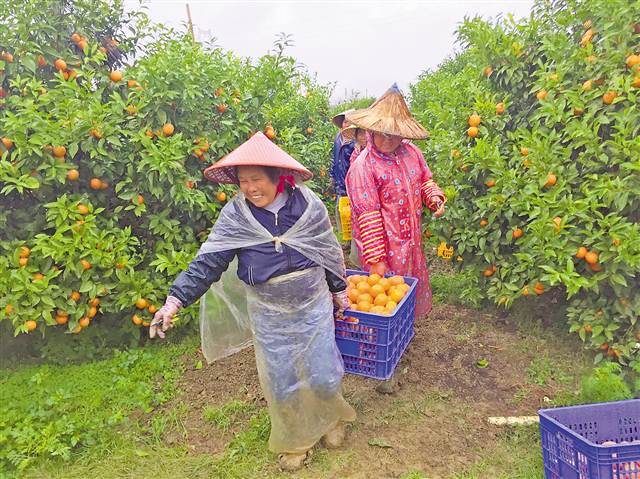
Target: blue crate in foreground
{"points": [[371, 344], [572, 440]]}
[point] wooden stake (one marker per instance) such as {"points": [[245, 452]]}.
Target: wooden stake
{"points": [[193, 38]]}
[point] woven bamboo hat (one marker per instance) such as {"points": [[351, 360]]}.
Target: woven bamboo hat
{"points": [[257, 151], [350, 132], [338, 120], [389, 114]]}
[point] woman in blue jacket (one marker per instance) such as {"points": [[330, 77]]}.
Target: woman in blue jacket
{"points": [[292, 270]]}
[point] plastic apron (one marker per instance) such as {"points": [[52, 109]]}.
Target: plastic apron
{"points": [[289, 318]]}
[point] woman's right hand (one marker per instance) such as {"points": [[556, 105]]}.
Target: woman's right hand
{"points": [[162, 320], [379, 268]]}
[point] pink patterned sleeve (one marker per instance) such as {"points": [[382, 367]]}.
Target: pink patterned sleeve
{"points": [[365, 210], [431, 192]]}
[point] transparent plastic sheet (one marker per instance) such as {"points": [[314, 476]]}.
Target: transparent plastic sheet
{"points": [[290, 318]]}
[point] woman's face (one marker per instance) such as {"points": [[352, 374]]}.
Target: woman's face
{"points": [[361, 137], [256, 185], [386, 143]]}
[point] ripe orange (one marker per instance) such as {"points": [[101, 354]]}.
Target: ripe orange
{"points": [[374, 279], [363, 287], [60, 64], [94, 302], [59, 151], [75, 37], [551, 180], [23, 262], [73, 175], [396, 280], [189, 184], [62, 319], [132, 83], [82, 44], [484, 222], [363, 306], [487, 71], [95, 183], [84, 322], [608, 97], [152, 309], [582, 252], [7, 143], [557, 223], [31, 325], [149, 133], [115, 76], [381, 299], [270, 132], [474, 120], [633, 60], [222, 108], [309, 130], [378, 309], [38, 277], [85, 264], [83, 209], [517, 233], [168, 129], [92, 312], [384, 283], [591, 257], [365, 298], [377, 289], [473, 131], [140, 199], [578, 111], [500, 108], [542, 94], [136, 320], [395, 294], [24, 251], [391, 305], [525, 290], [490, 183], [353, 295], [488, 272], [75, 295], [141, 303], [221, 196], [538, 288], [636, 82]]}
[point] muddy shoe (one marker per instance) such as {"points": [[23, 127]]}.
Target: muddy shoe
{"points": [[292, 462], [334, 438], [389, 386]]}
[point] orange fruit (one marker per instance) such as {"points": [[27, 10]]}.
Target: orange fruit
{"points": [[31, 325], [75, 295], [488, 272], [591, 257], [353, 295], [377, 309], [94, 302], [404, 287], [636, 82], [222, 108], [542, 94], [7, 143], [136, 320], [473, 131], [75, 38], [152, 309], [633, 60], [384, 283], [73, 175], [149, 133], [219, 91], [82, 44], [500, 108], [588, 328], [615, 242], [538, 288], [484, 222], [60, 64], [487, 71], [363, 306], [189, 184], [391, 305], [309, 130], [23, 262], [395, 294], [38, 277], [95, 183], [85, 264], [374, 279], [115, 76], [365, 298], [517, 233], [363, 287], [141, 303], [41, 61], [83, 209], [396, 280], [578, 111], [474, 120], [84, 322], [24, 251], [8, 309], [525, 290], [62, 319], [221, 196], [92, 312], [557, 223], [381, 299], [355, 278], [146, 324], [132, 83], [377, 289], [551, 180], [168, 129], [490, 183], [59, 151], [608, 97], [582, 252], [524, 151], [587, 85]]}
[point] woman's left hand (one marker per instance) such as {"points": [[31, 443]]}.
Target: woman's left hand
{"points": [[440, 211], [341, 301]]}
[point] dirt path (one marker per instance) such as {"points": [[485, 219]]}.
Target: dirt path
{"points": [[435, 423]]}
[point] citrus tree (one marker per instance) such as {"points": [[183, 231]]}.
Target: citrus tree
{"points": [[535, 131], [101, 183]]}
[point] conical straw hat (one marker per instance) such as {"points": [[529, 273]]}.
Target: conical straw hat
{"points": [[257, 151], [339, 118], [349, 133], [389, 114]]}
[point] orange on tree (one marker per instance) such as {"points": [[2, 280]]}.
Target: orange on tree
{"points": [[636, 82], [490, 183], [75, 295], [92, 312], [309, 130], [484, 222], [524, 151], [7, 57], [23, 262], [473, 131], [60, 64], [552, 179], [538, 288], [73, 175], [59, 151], [500, 108], [168, 129], [608, 97], [140, 199], [75, 37], [542, 94], [582, 252], [115, 76], [136, 320], [591, 257], [8, 309], [38, 277], [83, 209], [24, 251], [8, 144], [517, 233], [525, 290], [94, 302], [84, 322], [85, 264], [152, 309], [270, 132], [221, 196], [31, 325], [577, 111], [488, 272], [60, 319], [487, 71], [95, 183], [146, 324], [222, 108], [141, 303], [587, 85], [474, 120], [132, 83], [82, 44], [632, 61]]}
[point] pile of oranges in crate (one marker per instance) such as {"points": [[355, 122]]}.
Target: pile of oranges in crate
{"points": [[375, 294]]}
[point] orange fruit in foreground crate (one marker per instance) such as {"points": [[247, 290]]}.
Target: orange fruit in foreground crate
{"points": [[391, 306], [353, 295], [396, 280], [363, 287], [355, 279], [365, 298], [385, 283], [374, 279], [364, 306], [396, 294], [377, 289], [379, 310], [381, 300]]}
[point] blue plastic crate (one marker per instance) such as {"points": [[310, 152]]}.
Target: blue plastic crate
{"points": [[572, 440], [371, 344]]}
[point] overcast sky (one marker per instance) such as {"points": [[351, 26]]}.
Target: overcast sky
{"points": [[363, 46]]}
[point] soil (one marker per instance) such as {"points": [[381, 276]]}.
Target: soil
{"points": [[435, 422]]}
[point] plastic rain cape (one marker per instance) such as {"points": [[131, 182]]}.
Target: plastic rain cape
{"points": [[289, 318]]}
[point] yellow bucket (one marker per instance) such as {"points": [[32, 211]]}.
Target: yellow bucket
{"points": [[344, 207]]}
